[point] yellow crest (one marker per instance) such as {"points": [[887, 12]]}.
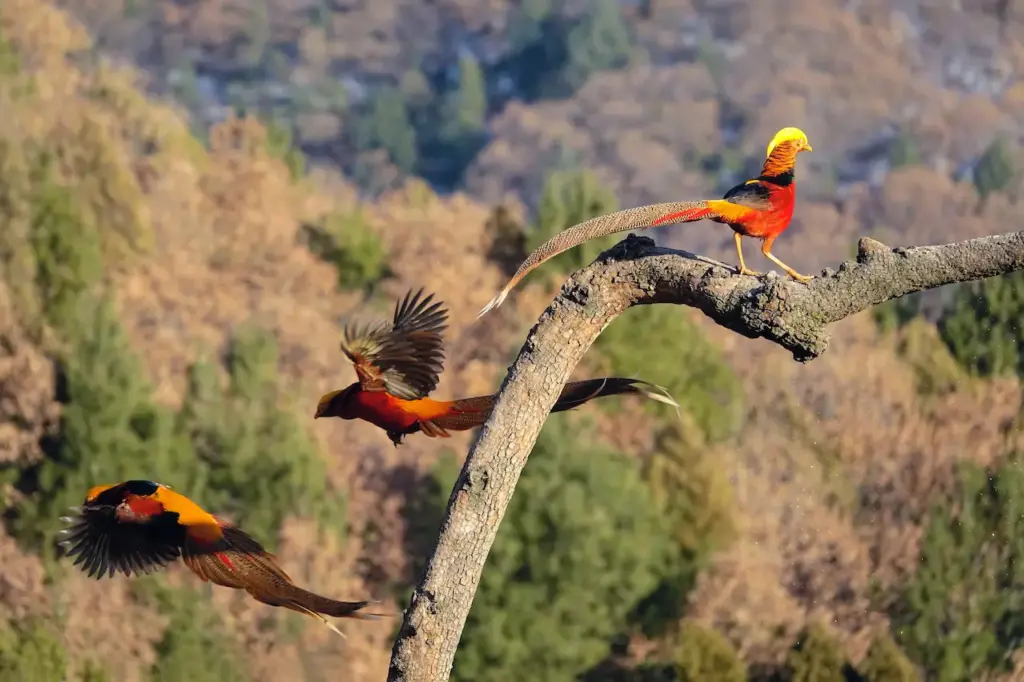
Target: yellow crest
{"points": [[789, 135]]}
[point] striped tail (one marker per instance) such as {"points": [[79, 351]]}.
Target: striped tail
{"points": [[687, 216], [637, 218], [465, 414]]}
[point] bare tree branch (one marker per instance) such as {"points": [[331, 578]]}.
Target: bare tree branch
{"points": [[636, 272]]}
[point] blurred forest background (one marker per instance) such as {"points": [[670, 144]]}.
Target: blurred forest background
{"points": [[192, 195]]}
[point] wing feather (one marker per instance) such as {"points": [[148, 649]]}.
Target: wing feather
{"points": [[238, 560], [752, 194], [232, 560], [102, 546], [404, 357]]}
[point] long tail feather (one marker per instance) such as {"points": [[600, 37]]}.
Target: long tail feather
{"points": [[310, 601], [637, 218], [687, 216], [469, 413], [577, 393]]}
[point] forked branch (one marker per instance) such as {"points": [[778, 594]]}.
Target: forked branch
{"points": [[636, 272]]}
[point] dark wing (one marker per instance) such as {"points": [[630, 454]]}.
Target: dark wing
{"points": [[104, 546], [404, 358], [235, 560], [238, 560], [751, 194]]}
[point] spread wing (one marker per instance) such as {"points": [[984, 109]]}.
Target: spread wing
{"points": [[404, 357], [234, 560], [105, 546], [237, 560]]}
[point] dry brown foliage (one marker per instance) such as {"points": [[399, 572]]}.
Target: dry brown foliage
{"points": [[836, 461]]}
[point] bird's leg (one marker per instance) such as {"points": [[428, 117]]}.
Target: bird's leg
{"points": [[739, 252], [766, 249]]}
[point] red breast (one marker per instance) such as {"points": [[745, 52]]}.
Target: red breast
{"points": [[383, 410], [772, 221]]}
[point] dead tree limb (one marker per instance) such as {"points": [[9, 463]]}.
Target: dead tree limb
{"points": [[636, 272]]}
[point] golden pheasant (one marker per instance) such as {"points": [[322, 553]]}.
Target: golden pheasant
{"points": [[140, 526], [760, 208], [398, 364]]}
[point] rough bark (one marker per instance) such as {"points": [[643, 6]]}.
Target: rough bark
{"points": [[636, 272]]}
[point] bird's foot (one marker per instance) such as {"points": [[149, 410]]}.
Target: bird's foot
{"points": [[747, 271], [804, 279], [396, 438]]}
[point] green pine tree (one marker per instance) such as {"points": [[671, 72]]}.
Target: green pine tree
{"points": [[693, 492], [569, 197], [886, 663], [958, 616], [525, 23], [982, 325], [703, 655], [679, 357], [600, 41], [349, 242], [817, 656], [560, 581], [68, 253], [10, 62], [995, 169], [465, 109], [196, 646], [110, 430], [257, 33], [904, 151], [31, 652], [259, 462], [385, 125]]}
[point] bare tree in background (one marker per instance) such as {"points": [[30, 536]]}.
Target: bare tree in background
{"points": [[636, 272]]}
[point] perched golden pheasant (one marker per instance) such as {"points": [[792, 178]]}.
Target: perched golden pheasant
{"points": [[760, 208], [398, 365], [140, 526]]}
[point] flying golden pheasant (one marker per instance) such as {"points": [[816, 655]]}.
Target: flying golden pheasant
{"points": [[760, 208], [140, 526], [398, 364]]}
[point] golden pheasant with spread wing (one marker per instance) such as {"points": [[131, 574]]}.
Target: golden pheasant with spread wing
{"points": [[760, 208], [398, 364], [141, 526]]}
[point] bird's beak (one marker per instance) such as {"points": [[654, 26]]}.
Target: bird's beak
{"points": [[807, 147]]}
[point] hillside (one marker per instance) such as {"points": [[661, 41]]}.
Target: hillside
{"points": [[170, 308]]}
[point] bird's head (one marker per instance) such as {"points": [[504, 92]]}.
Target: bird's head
{"points": [[114, 493], [334, 404], [794, 138]]}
